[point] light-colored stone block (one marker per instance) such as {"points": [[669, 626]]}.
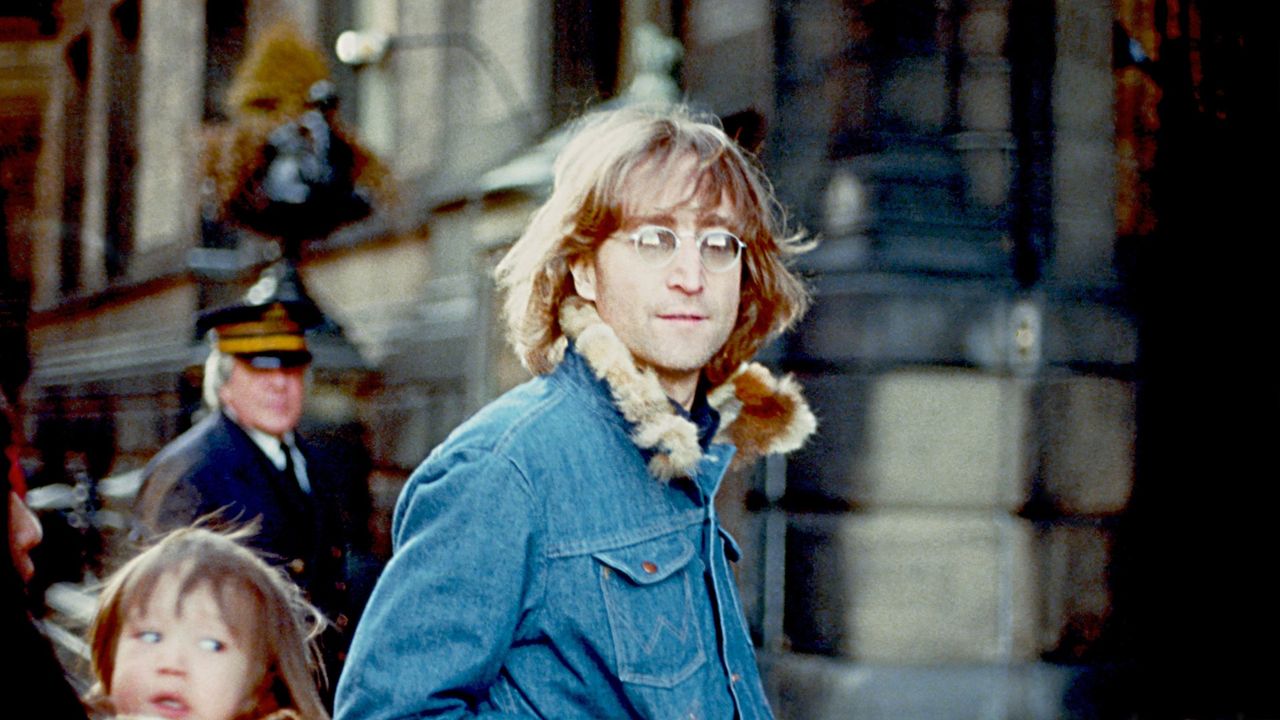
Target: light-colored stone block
{"points": [[984, 96], [913, 586], [804, 687], [944, 438], [985, 31], [987, 170]]}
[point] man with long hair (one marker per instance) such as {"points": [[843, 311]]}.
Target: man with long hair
{"points": [[559, 555]]}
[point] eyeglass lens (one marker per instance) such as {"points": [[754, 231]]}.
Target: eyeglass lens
{"points": [[718, 249]]}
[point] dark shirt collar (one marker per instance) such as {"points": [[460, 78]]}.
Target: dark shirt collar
{"points": [[702, 415]]}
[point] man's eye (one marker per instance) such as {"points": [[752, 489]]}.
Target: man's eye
{"points": [[147, 636], [716, 241], [212, 645], [652, 237]]}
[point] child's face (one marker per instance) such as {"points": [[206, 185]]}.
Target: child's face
{"points": [[176, 658]]}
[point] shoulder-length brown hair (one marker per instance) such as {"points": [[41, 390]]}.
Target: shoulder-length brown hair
{"points": [[280, 631], [588, 203]]}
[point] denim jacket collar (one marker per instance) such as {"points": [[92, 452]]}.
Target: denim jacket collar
{"points": [[759, 413]]}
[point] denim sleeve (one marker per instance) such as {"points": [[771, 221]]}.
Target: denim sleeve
{"points": [[446, 609]]}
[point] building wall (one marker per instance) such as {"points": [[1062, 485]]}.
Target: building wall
{"points": [[968, 358]]}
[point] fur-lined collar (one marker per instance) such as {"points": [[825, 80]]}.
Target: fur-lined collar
{"points": [[759, 413]]}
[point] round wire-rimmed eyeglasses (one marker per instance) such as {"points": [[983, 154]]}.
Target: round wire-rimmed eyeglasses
{"points": [[657, 246]]}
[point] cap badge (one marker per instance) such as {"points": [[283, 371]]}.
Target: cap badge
{"points": [[261, 291]]}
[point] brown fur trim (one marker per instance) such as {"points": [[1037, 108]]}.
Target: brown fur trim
{"points": [[759, 413], [769, 414]]}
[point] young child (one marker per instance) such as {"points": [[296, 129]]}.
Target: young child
{"points": [[199, 627]]}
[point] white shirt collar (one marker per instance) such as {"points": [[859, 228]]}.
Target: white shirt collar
{"points": [[268, 443]]}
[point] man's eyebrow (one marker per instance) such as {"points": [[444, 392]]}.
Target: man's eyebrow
{"points": [[653, 219], [715, 218], [706, 219]]}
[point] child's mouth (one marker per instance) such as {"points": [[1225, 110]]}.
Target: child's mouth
{"points": [[169, 706]]}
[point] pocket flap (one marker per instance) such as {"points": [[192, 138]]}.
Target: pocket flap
{"points": [[651, 561], [732, 550]]}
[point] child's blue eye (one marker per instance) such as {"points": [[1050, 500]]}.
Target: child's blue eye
{"points": [[148, 636], [212, 645]]}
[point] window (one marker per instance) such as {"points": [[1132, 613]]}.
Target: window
{"points": [[73, 162], [122, 136], [585, 65]]}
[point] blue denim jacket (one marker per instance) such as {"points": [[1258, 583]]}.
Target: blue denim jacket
{"points": [[540, 570]]}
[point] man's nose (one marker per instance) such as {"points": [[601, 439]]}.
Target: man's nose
{"points": [[25, 526], [278, 378], [685, 273]]}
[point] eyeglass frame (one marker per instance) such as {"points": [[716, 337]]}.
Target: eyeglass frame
{"points": [[739, 244]]}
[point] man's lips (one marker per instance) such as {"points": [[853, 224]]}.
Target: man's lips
{"points": [[682, 316]]}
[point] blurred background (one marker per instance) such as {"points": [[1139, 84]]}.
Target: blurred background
{"points": [[1038, 350]]}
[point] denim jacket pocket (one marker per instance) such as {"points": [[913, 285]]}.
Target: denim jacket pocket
{"points": [[648, 595]]}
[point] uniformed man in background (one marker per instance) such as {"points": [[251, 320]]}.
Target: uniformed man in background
{"points": [[245, 460]]}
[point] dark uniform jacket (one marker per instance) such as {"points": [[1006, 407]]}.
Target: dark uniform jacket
{"points": [[320, 538]]}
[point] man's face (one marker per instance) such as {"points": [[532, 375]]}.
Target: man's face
{"points": [[672, 318], [267, 400]]}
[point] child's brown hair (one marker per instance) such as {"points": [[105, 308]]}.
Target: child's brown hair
{"points": [[281, 632]]}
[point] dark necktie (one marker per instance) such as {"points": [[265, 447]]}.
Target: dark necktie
{"points": [[290, 470]]}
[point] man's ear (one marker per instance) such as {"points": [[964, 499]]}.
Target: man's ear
{"points": [[223, 392], [584, 278]]}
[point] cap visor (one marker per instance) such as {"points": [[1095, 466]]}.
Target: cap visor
{"points": [[277, 360]]}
